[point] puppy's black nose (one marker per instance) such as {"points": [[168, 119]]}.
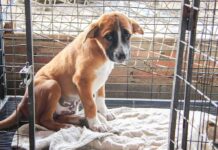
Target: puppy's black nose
{"points": [[121, 56]]}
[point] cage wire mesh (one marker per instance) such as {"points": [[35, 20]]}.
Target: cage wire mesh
{"points": [[56, 23], [149, 73], [194, 106]]}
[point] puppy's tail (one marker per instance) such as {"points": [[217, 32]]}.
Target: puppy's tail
{"points": [[14, 117]]}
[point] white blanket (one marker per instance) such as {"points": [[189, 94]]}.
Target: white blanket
{"points": [[136, 129]]}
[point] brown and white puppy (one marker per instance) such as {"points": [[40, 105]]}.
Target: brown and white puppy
{"points": [[80, 71]]}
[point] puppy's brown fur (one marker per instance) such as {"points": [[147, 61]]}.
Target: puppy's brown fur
{"points": [[73, 71]]}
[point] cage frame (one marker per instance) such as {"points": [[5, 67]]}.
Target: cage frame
{"points": [[188, 23], [187, 29], [30, 86], [185, 25], [2, 80]]}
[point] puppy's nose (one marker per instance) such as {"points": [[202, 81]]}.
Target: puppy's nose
{"points": [[121, 56]]}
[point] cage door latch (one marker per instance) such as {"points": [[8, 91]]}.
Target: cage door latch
{"points": [[26, 75]]}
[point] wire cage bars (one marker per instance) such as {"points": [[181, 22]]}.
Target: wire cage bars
{"points": [[194, 106], [147, 77], [56, 23]]}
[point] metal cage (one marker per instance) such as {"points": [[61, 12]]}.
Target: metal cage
{"points": [[194, 106], [175, 59]]}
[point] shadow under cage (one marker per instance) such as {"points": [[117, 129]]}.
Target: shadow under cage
{"points": [[146, 83]]}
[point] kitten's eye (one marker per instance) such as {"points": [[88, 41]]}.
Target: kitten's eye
{"points": [[109, 37], [126, 34]]}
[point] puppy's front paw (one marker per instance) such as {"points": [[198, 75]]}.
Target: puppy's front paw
{"points": [[96, 125], [100, 128], [109, 116]]}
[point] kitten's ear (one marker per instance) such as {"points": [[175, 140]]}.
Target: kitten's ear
{"points": [[92, 31], [136, 27]]}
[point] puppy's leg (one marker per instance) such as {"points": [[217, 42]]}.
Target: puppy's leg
{"points": [[84, 87], [48, 93], [101, 106]]}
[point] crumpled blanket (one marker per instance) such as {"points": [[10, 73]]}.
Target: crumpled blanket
{"points": [[133, 129]]}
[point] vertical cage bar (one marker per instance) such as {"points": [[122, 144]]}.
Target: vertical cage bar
{"points": [[178, 70], [30, 58], [2, 74], [192, 37]]}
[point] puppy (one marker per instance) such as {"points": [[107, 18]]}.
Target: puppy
{"points": [[80, 71]]}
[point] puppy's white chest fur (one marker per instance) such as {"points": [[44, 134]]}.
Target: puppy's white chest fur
{"points": [[102, 74]]}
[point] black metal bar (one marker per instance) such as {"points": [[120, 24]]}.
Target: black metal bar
{"points": [[178, 71], [29, 40], [192, 38], [2, 75]]}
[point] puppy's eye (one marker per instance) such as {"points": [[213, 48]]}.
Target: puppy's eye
{"points": [[126, 34], [109, 37]]}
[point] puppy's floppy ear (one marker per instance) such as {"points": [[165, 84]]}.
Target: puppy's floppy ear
{"points": [[92, 31], [136, 27]]}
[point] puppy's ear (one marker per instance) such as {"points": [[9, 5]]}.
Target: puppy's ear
{"points": [[92, 31], [136, 27]]}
